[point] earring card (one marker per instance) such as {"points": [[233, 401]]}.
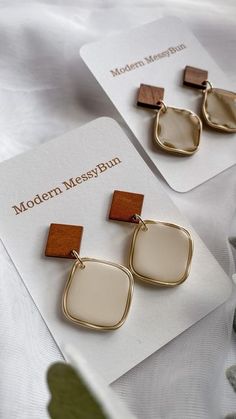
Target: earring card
{"points": [[88, 164], [156, 54]]}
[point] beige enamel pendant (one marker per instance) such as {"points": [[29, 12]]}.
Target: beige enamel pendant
{"points": [[161, 253], [176, 131], [98, 293], [218, 106]]}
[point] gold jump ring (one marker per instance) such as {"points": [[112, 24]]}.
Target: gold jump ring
{"points": [[207, 82], [76, 255], [163, 105], [137, 217]]}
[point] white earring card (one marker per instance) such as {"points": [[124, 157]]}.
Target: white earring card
{"points": [[156, 54], [70, 180]]}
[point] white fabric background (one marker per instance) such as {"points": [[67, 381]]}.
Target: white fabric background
{"points": [[46, 90]]}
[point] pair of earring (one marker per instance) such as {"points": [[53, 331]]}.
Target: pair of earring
{"points": [[178, 131], [98, 293]]}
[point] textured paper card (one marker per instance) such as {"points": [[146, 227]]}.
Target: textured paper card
{"points": [[156, 54], [70, 180]]}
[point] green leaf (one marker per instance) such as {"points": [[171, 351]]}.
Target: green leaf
{"points": [[71, 398], [231, 375]]}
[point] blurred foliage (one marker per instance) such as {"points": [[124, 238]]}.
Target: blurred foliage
{"points": [[70, 397]]}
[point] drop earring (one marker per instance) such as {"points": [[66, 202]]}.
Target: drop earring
{"points": [[176, 131], [98, 293], [218, 106], [160, 252]]}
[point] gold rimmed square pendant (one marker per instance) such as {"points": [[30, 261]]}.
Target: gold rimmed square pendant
{"points": [[161, 253], [177, 131], [219, 109], [218, 106], [98, 294]]}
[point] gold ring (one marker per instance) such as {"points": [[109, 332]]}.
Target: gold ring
{"points": [[163, 105], [144, 225], [76, 255], [207, 82]]}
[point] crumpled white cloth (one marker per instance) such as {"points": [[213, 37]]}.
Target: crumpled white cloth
{"points": [[46, 90]]}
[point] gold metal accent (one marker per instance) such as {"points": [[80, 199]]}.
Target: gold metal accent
{"points": [[206, 116], [162, 105], [171, 150], [208, 83], [137, 217], [76, 255], [154, 281], [83, 323]]}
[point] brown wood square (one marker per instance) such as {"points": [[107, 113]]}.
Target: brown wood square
{"points": [[124, 205], [62, 239], [195, 77], [149, 96]]}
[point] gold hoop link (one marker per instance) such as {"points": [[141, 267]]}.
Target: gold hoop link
{"points": [[163, 105], [76, 255], [208, 83], [144, 225]]}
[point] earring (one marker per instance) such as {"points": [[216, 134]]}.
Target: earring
{"points": [[98, 293], [176, 131], [218, 106], [160, 252]]}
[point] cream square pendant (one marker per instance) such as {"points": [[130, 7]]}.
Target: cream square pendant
{"points": [[177, 130], [98, 294], [161, 253], [219, 109]]}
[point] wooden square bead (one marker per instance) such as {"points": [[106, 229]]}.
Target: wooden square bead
{"points": [[62, 239], [149, 96], [124, 205], [195, 77]]}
